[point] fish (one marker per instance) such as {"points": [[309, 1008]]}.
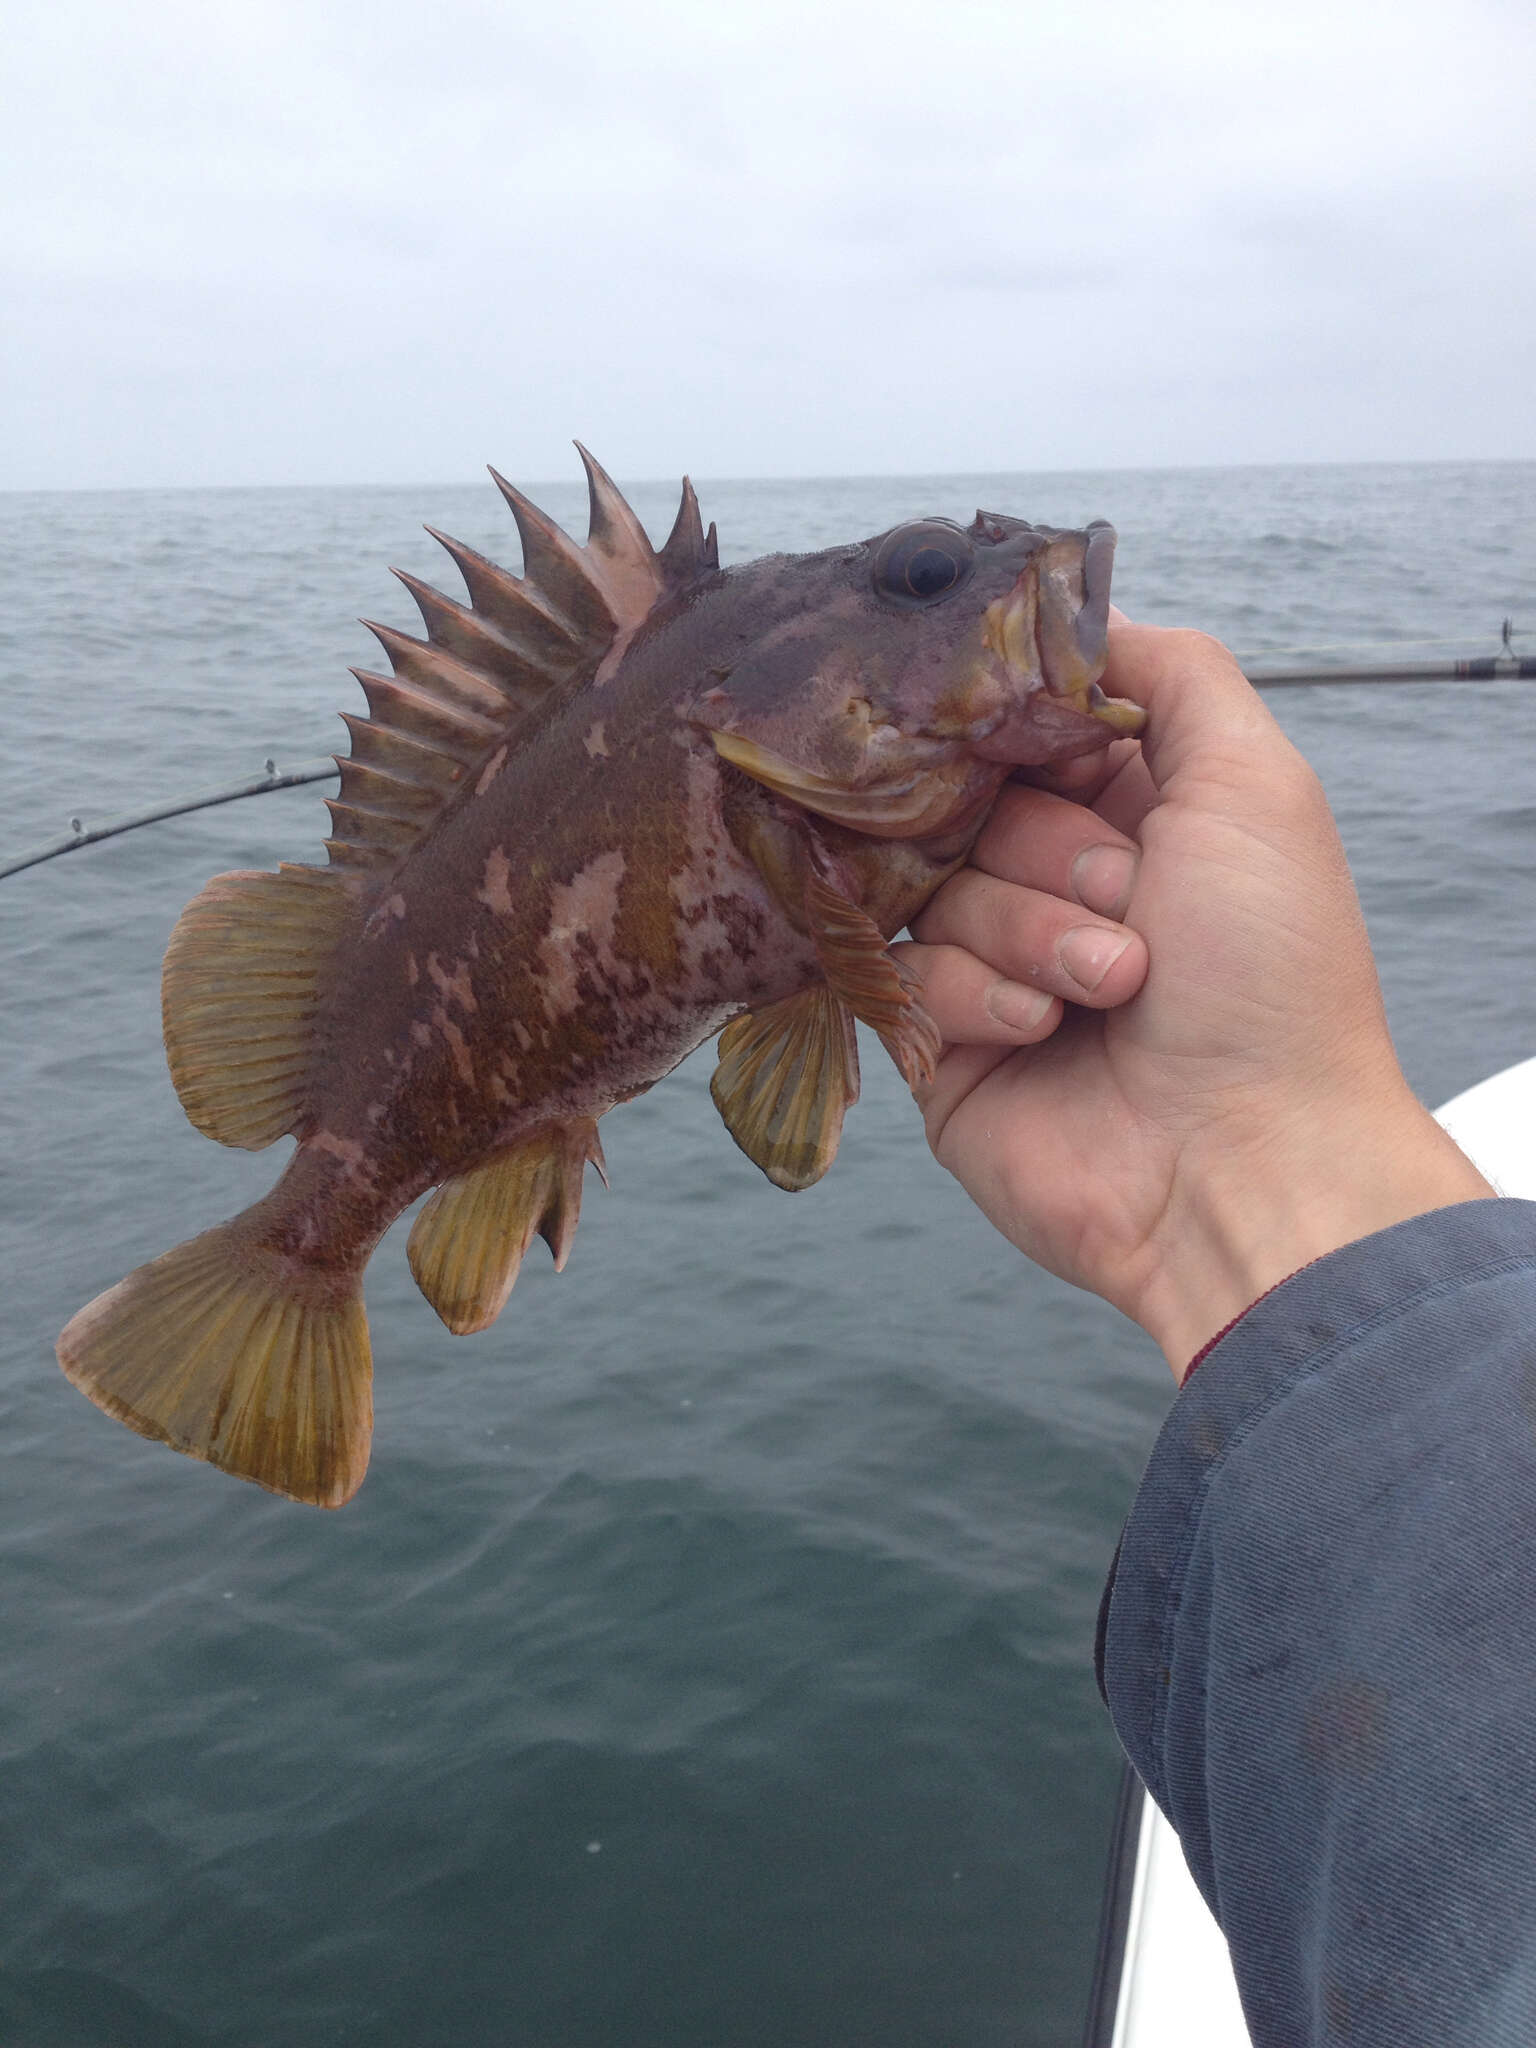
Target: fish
{"points": [[597, 814]]}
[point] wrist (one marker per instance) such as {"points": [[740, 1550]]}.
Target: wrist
{"points": [[1248, 1215]]}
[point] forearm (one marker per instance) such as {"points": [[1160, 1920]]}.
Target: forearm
{"points": [[1320, 1643]]}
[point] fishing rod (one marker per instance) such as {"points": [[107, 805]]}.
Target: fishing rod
{"points": [[1504, 667], [80, 834]]}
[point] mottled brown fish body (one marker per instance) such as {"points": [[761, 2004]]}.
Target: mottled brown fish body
{"points": [[565, 938], [596, 815]]}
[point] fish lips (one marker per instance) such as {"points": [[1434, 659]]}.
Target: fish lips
{"points": [[1057, 708], [1050, 728], [1090, 628]]}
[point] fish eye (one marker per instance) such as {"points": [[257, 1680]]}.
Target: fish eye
{"points": [[924, 561]]}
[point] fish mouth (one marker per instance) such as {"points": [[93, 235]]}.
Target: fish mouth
{"points": [[1052, 629], [1090, 628]]}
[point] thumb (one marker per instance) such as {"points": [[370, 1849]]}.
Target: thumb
{"points": [[1203, 714]]}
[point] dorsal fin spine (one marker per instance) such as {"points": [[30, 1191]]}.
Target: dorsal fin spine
{"points": [[440, 673], [526, 615], [612, 528], [401, 753], [618, 550], [460, 733], [469, 634], [560, 568], [682, 555], [372, 828], [473, 638], [360, 860], [485, 668], [375, 789]]}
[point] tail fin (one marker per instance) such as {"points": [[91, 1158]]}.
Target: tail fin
{"points": [[230, 1351]]}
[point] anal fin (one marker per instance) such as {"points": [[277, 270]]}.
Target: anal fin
{"points": [[786, 1075], [861, 973], [468, 1242]]}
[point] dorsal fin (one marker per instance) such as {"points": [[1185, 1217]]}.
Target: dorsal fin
{"points": [[617, 543], [520, 611], [484, 667], [688, 553], [425, 666], [560, 568], [476, 638]]}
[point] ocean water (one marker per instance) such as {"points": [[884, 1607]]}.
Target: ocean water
{"points": [[706, 1662]]}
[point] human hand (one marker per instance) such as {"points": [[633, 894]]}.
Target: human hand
{"points": [[1231, 1106]]}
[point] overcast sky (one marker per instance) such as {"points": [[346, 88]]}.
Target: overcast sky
{"points": [[357, 241]]}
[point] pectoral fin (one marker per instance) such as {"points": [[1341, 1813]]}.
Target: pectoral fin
{"points": [[469, 1240], [786, 1075], [862, 974]]}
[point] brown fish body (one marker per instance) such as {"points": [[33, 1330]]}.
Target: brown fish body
{"points": [[581, 920], [563, 941], [593, 818]]}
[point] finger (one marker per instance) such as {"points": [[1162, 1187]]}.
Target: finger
{"points": [[1050, 843], [972, 1003], [1084, 775], [962, 1068], [1036, 939], [1077, 777], [1127, 796], [1116, 784]]}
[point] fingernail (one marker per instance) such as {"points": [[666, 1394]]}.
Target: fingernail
{"points": [[1103, 877], [1088, 952], [1020, 1008]]}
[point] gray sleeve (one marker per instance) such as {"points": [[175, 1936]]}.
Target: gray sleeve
{"points": [[1319, 1640]]}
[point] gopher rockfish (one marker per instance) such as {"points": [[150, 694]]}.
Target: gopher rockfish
{"points": [[600, 812]]}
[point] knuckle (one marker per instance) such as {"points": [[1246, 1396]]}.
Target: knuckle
{"points": [[1196, 645]]}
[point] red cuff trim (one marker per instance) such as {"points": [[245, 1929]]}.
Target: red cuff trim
{"points": [[1227, 1328]]}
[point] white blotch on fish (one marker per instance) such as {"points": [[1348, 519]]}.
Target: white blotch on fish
{"points": [[584, 908]]}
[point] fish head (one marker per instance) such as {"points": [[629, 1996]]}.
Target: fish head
{"points": [[891, 686]]}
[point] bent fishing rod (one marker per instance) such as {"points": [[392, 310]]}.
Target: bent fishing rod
{"points": [[1504, 667]]}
